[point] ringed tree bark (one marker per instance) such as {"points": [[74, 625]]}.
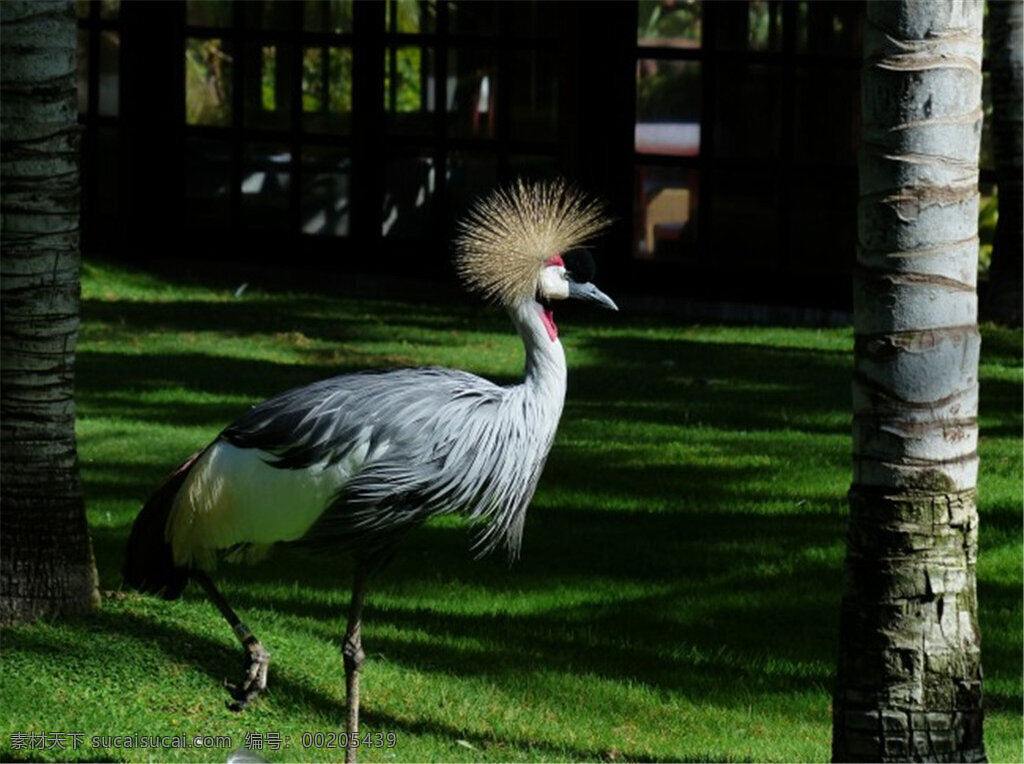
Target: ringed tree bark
{"points": [[46, 562], [1005, 293], [909, 670]]}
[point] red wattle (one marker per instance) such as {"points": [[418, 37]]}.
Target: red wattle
{"points": [[549, 323]]}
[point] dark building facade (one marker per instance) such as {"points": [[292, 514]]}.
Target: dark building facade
{"points": [[343, 136]]}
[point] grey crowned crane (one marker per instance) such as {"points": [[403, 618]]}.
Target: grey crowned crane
{"points": [[360, 459]]}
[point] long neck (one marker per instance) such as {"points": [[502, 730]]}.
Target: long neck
{"points": [[545, 357]]}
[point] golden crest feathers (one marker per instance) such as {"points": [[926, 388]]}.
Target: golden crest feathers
{"points": [[507, 236]]}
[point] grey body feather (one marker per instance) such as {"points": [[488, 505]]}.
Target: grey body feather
{"points": [[432, 441]]}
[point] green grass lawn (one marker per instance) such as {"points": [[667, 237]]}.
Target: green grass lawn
{"points": [[677, 596]]}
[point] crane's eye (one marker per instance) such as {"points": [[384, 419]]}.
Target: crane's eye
{"points": [[564, 274]]}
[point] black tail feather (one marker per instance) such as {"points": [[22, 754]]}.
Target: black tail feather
{"points": [[148, 564]]}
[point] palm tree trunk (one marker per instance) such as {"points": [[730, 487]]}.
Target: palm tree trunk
{"points": [[46, 563], [1006, 277], [909, 670]]}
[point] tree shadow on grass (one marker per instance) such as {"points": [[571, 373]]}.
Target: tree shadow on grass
{"points": [[119, 378], [312, 316], [733, 386], [695, 617], [1000, 414]]}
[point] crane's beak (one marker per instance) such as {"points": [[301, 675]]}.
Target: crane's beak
{"points": [[590, 293]]}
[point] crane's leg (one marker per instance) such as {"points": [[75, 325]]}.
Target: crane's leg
{"points": [[257, 660], [354, 658]]}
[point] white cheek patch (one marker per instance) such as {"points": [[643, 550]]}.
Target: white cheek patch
{"points": [[553, 284]]}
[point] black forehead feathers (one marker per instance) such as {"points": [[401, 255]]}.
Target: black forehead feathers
{"points": [[580, 264]]}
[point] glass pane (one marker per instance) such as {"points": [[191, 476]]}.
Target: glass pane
{"points": [[208, 65], [110, 9], [987, 160], [668, 102], [266, 178], [665, 212], [534, 96], [753, 90], [207, 182], [110, 70], [988, 217], [750, 25], [536, 18], [82, 56], [471, 174], [327, 89], [472, 84], [409, 88], [208, 13], [411, 16], [314, 80], [267, 14], [672, 23], [268, 77], [836, 92], [326, 173], [339, 80], [108, 178], [409, 189], [268, 97], [745, 218], [765, 25], [473, 17], [823, 222], [333, 16], [830, 28], [82, 8]]}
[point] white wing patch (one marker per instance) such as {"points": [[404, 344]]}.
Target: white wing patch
{"points": [[233, 496]]}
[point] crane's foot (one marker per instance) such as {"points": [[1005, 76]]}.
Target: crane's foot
{"points": [[257, 661]]}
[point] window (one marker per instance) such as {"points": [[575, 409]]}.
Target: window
{"points": [[667, 135], [287, 133], [721, 132], [745, 115]]}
